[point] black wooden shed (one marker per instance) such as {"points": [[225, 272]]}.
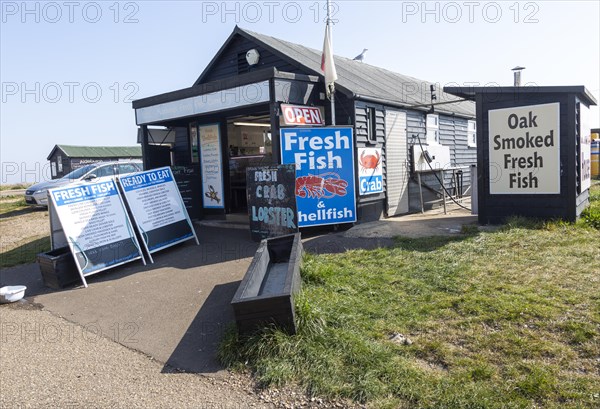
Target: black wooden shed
{"points": [[240, 99], [534, 151]]}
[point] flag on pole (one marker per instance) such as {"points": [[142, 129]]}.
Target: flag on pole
{"points": [[327, 64]]}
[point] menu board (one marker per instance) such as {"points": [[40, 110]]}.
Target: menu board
{"points": [[96, 225], [157, 208], [188, 183], [211, 166], [271, 200]]}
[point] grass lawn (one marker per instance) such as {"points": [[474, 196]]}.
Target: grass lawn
{"points": [[503, 319], [12, 204], [25, 253], [24, 250], [15, 186]]}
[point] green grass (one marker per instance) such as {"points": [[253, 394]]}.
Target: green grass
{"points": [[591, 215], [27, 249], [505, 319], [25, 253], [10, 204], [16, 186]]}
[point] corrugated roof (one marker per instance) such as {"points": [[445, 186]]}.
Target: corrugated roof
{"points": [[365, 80], [99, 151]]}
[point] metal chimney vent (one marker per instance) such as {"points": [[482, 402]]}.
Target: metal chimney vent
{"points": [[517, 73]]}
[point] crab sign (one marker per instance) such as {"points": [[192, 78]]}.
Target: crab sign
{"points": [[369, 162]]}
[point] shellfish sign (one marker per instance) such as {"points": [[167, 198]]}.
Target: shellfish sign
{"points": [[524, 148], [324, 159]]}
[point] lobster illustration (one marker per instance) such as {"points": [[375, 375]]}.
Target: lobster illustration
{"points": [[369, 162], [327, 185]]}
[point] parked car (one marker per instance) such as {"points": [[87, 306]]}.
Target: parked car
{"points": [[37, 195]]}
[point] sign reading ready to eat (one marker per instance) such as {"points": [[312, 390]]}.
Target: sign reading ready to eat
{"points": [[524, 147], [157, 208]]}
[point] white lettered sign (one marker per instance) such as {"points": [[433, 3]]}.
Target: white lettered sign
{"points": [[524, 148], [95, 222], [370, 174], [585, 148], [157, 208]]}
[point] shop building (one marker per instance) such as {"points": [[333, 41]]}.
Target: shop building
{"points": [[256, 85]]}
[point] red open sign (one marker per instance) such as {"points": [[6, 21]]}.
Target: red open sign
{"points": [[301, 115]]}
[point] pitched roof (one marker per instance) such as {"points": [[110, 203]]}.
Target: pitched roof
{"points": [[99, 151], [358, 79]]}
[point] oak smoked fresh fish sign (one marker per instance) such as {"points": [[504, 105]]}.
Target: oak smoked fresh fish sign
{"points": [[524, 148], [324, 159]]}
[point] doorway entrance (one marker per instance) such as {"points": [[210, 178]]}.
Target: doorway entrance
{"points": [[250, 144]]}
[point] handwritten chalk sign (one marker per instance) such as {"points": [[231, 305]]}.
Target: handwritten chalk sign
{"points": [[96, 225], [271, 200], [189, 185], [157, 208]]}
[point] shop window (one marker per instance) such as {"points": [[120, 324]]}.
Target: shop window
{"points": [[371, 125], [472, 134], [433, 129]]}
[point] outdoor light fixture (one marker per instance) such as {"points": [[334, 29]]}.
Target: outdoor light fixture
{"points": [[252, 56], [258, 124]]}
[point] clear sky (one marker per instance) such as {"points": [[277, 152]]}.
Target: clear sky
{"points": [[70, 69]]}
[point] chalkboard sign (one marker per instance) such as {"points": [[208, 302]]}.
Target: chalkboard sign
{"points": [[271, 200], [188, 183]]}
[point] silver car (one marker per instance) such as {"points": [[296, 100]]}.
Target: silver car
{"points": [[37, 195]]}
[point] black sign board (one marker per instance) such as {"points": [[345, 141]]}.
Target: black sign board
{"points": [[188, 183], [271, 200]]}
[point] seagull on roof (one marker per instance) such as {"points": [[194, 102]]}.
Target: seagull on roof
{"points": [[360, 57]]}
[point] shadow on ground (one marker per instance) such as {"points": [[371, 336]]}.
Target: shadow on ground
{"points": [[197, 350]]}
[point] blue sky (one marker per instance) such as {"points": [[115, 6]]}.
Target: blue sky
{"points": [[69, 70]]}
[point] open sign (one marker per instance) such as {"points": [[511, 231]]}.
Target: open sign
{"points": [[301, 115]]}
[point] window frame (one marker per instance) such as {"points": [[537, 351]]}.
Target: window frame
{"points": [[472, 133], [432, 134], [371, 124]]}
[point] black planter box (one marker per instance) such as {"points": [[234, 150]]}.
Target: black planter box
{"points": [[266, 294], [58, 268]]}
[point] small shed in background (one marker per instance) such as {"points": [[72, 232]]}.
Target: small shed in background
{"points": [[66, 158]]}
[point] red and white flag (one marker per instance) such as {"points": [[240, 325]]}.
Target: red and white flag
{"points": [[327, 64]]}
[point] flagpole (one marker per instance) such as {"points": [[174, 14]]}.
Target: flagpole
{"points": [[326, 85]]}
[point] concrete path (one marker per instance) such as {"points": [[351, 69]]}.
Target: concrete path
{"points": [[174, 310], [47, 362], [433, 223]]}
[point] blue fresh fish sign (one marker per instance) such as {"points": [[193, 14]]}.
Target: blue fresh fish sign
{"points": [[324, 159]]}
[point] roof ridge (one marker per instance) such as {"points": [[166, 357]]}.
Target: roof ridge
{"points": [[360, 78]]}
